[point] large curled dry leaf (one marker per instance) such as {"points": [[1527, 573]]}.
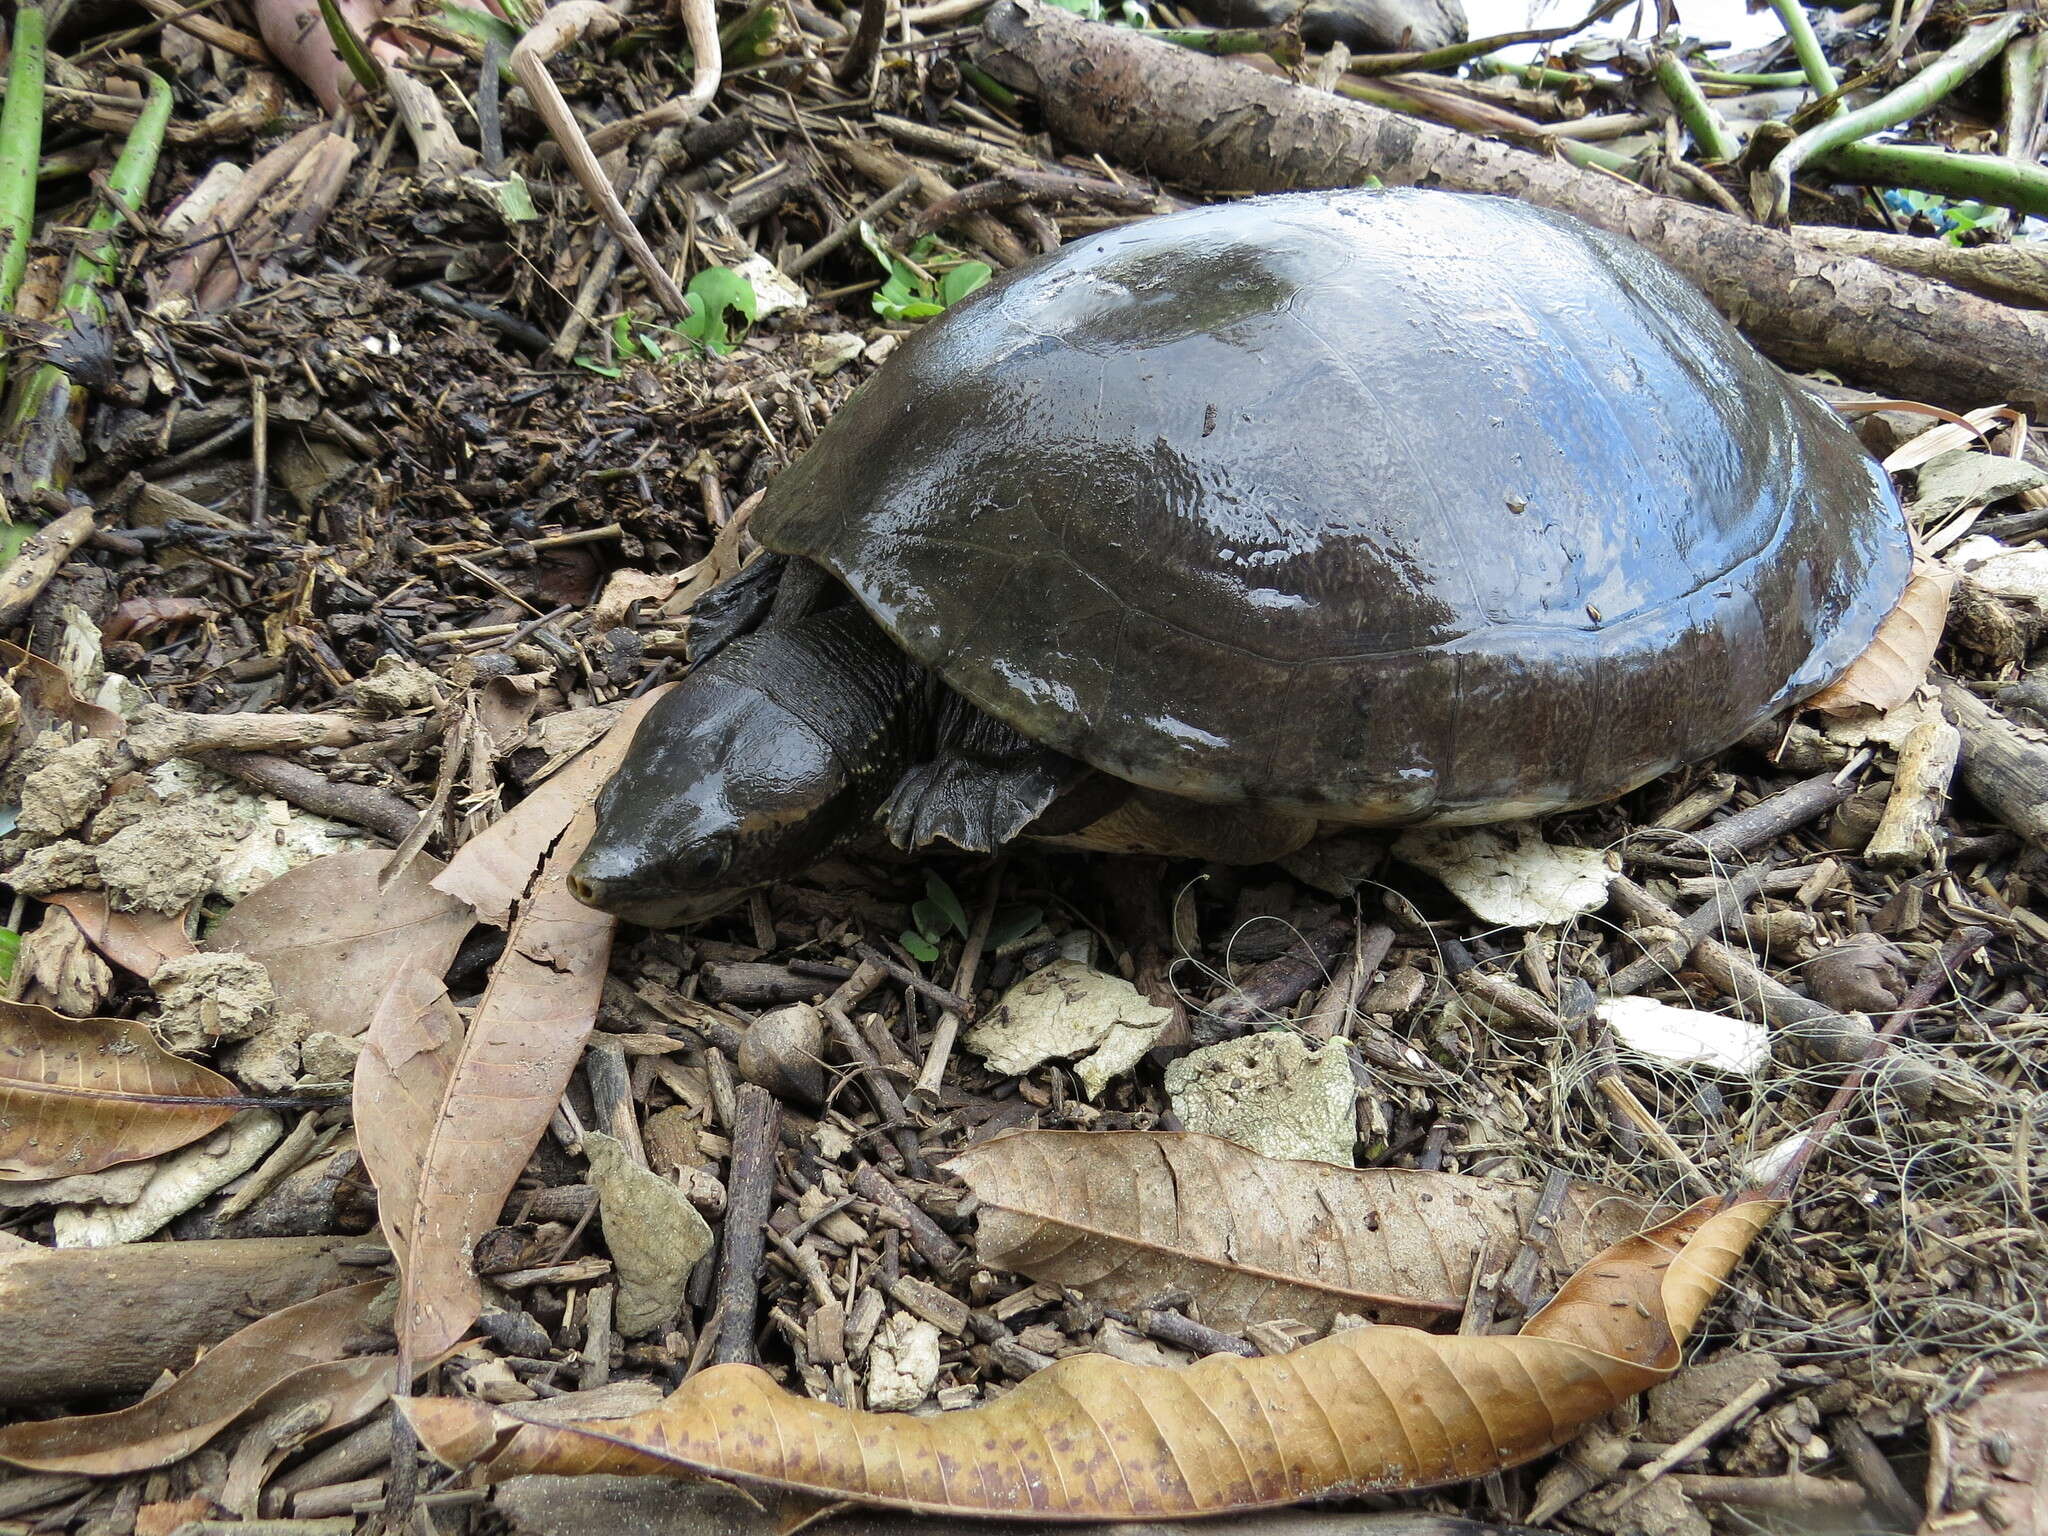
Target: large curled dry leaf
{"points": [[1897, 659], [502, 1087], [79, 1095], [293, 1356], [1091, 1437], [330, 933], [1125, 1217]]}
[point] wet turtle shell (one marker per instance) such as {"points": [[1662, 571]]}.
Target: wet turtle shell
{"points": [[1385, 506]]}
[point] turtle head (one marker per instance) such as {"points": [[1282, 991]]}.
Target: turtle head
{"points": [[723, 789]]}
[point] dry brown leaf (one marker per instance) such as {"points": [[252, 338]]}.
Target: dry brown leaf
{"points": [[79, 1095], [44, 685], [493, 869], [293, 1356], [329, 937], [139, 616], [1366, 1410], [401, 1080], [1998, 1448], [523, 1043], [1896, 662], [1126, 1216], [136, 941]]}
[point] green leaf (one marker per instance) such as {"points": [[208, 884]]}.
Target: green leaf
{"points": [[920, 947], [940, 895], [963, 280], [368, 72], [722, 289], [481, 25], [599, 368], [10, 951], [622, 334], [1011, 923], [930, 919]]}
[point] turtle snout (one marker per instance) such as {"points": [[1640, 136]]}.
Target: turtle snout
{"points": [[606, 878]]}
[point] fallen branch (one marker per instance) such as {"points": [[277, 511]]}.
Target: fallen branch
{"points": [[1216, 124]]}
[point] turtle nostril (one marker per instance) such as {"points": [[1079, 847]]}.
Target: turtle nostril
{"points": [[583, 889]]}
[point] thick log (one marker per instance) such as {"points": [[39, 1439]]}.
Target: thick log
{"points": [[86, 1322], [1214, 123]]}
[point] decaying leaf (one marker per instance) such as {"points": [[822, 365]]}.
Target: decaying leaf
{"points": [[330, 936], [1125, 1217], [653, 1233], [1067, 1011], [401, 1079], [1998, 1448], [1508, 874], [1366, 1410], [1269, 1092], [523, 1043], [178, 1181], [293, 1356], [135, 941], [79, 1095], [1896, 662]]}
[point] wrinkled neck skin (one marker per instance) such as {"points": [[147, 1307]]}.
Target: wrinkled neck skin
{"points": [[779, 747]]}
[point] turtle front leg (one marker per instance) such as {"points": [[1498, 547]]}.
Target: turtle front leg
{"points": [[982, 786]]}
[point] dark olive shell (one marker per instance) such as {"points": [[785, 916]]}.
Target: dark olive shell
{"points": [[1385, 505]]}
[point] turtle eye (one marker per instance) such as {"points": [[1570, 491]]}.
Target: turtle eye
{"points": [[711, 863]]}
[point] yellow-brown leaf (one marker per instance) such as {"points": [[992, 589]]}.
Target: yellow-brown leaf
{"points": [[1370, 1409], [79, 1095], [1897, 659]]}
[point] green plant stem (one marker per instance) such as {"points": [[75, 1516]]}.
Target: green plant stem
{"points": [[93, 263], [990, 89], [1593, 157], [1806, 47], [1970, 53], [1772, 82], [1221, 42], [1536, 75], [1989, 179], [21, 147], [1700, 119]]}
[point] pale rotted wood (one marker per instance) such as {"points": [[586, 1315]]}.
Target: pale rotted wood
{"points": [[85, 1322], [39, 559], [1213, 123], [1908, 834], [2003, 764]]}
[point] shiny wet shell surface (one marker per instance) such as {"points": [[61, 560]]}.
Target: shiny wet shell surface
{"points": [[1387, 505]]}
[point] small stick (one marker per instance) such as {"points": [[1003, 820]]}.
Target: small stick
{"points": [[1520, 1279], [859, 58], [924, 987], [1702, 1435], [361, 805], [597, 1337], [813, 254], [947, 1030], [1794, 1493], [1720, 913], [750, 1188], [875, 1080], [1183, 1332], [945, 1256], [611, 1095], [1771, 818], [1873, 1469]]}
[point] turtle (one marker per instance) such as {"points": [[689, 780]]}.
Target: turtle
{"points": [[1212, 531]]}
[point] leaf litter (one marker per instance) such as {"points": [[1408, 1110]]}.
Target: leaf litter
{"points": [[374, 486]]}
